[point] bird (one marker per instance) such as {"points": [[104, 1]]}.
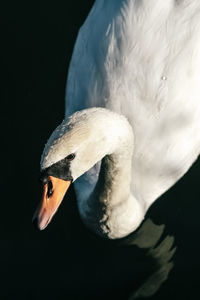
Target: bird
{"points": [[132, 123]]}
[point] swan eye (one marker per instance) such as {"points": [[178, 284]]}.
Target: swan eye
{"points": [[50, 189], [70, 157]]}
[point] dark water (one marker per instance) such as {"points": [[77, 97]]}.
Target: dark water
{"points": [[160, 260]]}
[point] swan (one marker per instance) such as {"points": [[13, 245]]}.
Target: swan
{"points": [[132, 122]]}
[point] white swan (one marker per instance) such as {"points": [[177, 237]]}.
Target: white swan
{"points": [[132, 125]]}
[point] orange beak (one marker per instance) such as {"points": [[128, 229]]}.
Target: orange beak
{"points": [[52, 197]]}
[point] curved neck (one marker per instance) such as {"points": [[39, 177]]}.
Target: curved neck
{"points": [[111, 192], [113, 185], [111, 210]]}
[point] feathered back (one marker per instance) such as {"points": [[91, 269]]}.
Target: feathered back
{"points": [[142, 59]]}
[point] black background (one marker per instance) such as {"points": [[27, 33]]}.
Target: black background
{"points": [[66, 261]]}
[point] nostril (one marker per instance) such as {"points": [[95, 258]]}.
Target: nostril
{"points": [[50, 189]]}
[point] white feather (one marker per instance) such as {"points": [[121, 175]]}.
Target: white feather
{"points": [[141, 59], [123, 51]]}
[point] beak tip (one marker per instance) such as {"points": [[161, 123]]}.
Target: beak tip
{"points": [[36, 224]]}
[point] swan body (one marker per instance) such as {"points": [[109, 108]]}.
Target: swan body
{"points": [[134, 76]]}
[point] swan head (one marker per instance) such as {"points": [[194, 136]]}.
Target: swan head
{"points": [[75, 146]]}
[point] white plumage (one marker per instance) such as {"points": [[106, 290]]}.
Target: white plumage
{"points": [[139, 59]]}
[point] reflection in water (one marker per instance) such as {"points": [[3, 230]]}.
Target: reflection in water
{"points": [[86, 267], [159, 249]]}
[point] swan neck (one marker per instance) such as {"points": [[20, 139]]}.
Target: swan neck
{"points": [[114, 180], [111, 198], [113, 185]]}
